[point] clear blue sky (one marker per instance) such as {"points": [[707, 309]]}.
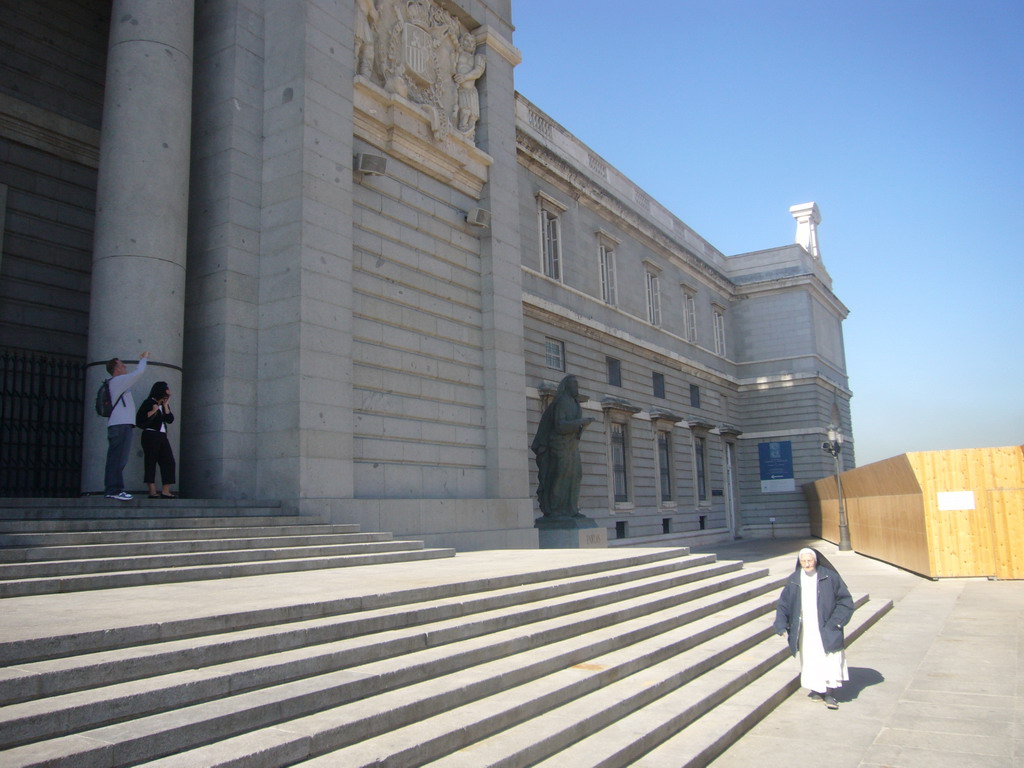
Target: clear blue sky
{"points": [[903, 120]]}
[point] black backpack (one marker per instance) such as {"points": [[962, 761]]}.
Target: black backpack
{"points": [[104, 407]]}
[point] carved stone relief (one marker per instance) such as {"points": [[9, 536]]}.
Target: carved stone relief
{"points": [[420, 52]]}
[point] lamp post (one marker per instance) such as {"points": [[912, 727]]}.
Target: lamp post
{"points": [[834, 446]]}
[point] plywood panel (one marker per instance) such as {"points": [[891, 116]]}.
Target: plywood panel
{"points": [[1008, 522], [894, 511], [963, 540], [883, 511]]}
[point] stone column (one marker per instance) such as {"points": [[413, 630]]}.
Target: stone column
{"points": [[138, 272], [504, 364], [304, 389]]}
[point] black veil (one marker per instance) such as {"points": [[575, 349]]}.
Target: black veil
{"points": [[822, 560]]}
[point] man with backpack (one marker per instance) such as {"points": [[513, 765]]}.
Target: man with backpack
{"points": [[120, 424]]}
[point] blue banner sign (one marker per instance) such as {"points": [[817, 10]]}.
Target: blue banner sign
{"points": [[776, 460]]}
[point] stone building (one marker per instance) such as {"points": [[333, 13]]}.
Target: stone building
{"points": [[363, 260]]}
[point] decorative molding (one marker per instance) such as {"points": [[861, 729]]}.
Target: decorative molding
{"points": [[619, 405], [664, 415], [540, 124], [403, 129], [597, 165], [421, 52], [48, 131], [546, 199], [548, 163], [486, 35], [563, 317]]}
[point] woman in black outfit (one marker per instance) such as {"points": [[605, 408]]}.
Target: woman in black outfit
{"points": [[152, 418]]}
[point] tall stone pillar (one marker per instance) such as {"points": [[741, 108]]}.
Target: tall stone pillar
{"points": [[138, 272], [504, 364]]}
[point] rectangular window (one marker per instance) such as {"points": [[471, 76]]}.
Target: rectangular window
{"points": [[614, 371], [620, 474], [689, 316], [550, 243], [554, 354], [606, 259], [720, 331], [700, 447], [658, 384], [653, 299], [665, 465], [694, 396]]}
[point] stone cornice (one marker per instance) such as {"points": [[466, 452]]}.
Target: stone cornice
{"points": [[619, 405], [564, 317], [548, 164], [789, 380], [698, 424], [403, 129], [487, 35], [665, 415], [784, 284], [48, 131]]}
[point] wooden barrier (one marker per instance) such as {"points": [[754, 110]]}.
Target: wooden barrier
{"points": [[938, 513]]}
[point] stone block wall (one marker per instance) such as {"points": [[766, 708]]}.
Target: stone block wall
{"points": [[52, 65]]}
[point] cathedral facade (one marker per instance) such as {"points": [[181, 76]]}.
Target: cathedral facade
{"points": [[365, 262]]}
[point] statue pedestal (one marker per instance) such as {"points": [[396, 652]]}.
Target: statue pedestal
{"points": [[571, 533]]}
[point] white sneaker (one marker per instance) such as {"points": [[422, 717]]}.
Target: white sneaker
{"points": [[122, 496]]}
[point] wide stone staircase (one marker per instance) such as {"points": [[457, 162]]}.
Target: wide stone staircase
{"points": [[98, 543], [649, 658]]}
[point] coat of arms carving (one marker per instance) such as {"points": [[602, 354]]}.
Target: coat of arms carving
{"points": [[419, 51]]}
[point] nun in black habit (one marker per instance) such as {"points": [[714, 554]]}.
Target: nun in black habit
{"points": [[813, 608]]}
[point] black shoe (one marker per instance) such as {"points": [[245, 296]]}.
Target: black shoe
{"points": [[815, 696], [830, 701]]}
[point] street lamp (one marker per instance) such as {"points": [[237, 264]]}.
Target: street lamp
{"points": [[834, 446]]}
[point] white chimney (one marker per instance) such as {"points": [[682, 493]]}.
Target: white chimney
{"points": [[807, 220]]}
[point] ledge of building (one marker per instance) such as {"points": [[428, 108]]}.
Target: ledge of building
{"points": [[682, 539]]}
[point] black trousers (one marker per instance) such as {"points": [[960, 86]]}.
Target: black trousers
{"points": [[156, 449]]}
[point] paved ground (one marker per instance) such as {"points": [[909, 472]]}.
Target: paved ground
{"points": [[938, 682]]}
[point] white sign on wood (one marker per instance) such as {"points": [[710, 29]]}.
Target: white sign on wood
{"points": [[951, 501]]}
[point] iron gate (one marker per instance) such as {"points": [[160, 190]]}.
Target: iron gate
{"points": [[41, 402]]}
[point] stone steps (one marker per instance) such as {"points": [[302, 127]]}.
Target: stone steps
{"points": [[287, 679], [468, 616], [511, 669], [134, 578], [692, 725], [86, 544], [241, 551], [181, 541], [19, 535]]}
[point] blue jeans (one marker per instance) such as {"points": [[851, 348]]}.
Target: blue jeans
{"points": [[119, 448]]}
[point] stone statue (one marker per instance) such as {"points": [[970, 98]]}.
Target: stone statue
{"points": [[557, 449], [366, 17], [469, 67]]}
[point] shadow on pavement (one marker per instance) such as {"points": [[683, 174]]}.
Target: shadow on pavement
{"points": [[860, 678]]}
